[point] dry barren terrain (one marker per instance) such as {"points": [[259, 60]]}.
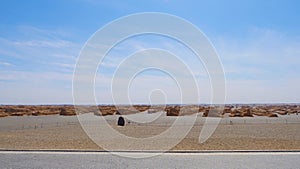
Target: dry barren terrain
{"points": [[233, 133]]}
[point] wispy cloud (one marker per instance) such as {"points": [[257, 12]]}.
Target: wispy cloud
{"points": [[35, 77], [260, 67], [5, 63], [36, 60], [38, 48], [263, 54], [44, 44]]}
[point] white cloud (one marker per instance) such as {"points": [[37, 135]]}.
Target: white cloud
{"points": [[34, 77], [261, 54], [263, 66], [32, 43], [44, 43], [5, 63], [42, 68]]}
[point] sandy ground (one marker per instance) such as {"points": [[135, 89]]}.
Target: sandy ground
{"points": [[57, 132]]}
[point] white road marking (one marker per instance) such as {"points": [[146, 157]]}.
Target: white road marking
{"points": [[160, 153]]}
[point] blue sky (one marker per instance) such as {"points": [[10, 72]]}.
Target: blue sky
{"points": [[258, 43]]}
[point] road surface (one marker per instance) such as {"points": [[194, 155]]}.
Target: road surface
{"points": [[52, 159]]}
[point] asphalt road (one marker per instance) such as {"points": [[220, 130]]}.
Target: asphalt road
{"points": [[24, 159]]}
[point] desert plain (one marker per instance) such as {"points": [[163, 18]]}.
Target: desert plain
{"points": [[241, 127]]}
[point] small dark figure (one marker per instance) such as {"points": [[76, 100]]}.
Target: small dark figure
{"points": [[121, 121]]}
